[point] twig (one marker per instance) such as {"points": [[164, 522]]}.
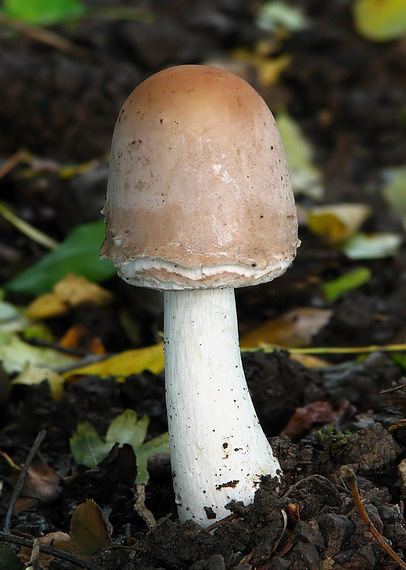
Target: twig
{"points": [[158, 524], [347, 473], [330, 349], [27, 229], [55, 346], [21, 479], [91, 359], [141, 509], [220, 522], [44, 36], [13, 161], [13, 539]]}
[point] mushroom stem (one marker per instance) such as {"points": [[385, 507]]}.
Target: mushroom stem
{"points": [[218, 449]]}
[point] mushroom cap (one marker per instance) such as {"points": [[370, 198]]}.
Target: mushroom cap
{"points": [[199, 194]]}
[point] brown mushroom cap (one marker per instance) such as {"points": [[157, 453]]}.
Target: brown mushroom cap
{"points": [[199, 193]]}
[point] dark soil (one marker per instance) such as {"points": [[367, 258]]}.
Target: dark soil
{"points": [[346, 94]]}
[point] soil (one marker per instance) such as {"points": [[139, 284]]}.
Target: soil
{"points": [[346, 94]]}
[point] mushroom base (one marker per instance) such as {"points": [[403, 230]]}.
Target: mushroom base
{"points": [[218, 449]]}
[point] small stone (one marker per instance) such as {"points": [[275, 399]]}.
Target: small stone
{"points": [[335, 530], [279, 563], [308, 531]]}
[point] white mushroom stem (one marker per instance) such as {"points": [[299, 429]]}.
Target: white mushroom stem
{"points": [[218, 449]]}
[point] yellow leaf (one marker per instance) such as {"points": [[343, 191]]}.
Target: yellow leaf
{"points": [[126, 363], [70, 291], [34, 374], [75, 289], [269, 67], [294, 328], [337, 222], [45, 306], [309, 361], [380, 20]]}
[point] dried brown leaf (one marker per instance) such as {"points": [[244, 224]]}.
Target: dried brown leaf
{"points": [[89, 532]]}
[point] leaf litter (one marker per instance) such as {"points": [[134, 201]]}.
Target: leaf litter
{"points": [[351, 410]]}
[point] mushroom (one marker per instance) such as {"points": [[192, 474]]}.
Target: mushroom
{"points": [[199, 202]]}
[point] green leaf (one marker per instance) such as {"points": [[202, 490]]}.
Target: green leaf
{"points": [[305, 176], [89, 449], [400, 359], [78, 254], [372, 246], [347, 282], [127, 428], [44, 12], [380, 20], [9, 559], [154, 446], [87, 446]]}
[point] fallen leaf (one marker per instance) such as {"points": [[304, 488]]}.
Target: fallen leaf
{"points": [[44, 12], [126, 363], [45, 306], [337, 222], [305, 176], [15, 354], [78, 254], [155, 446], [380, 20], [293, 329], [79, 337], [309, 361], [127, 428], [274, 15], [89, 449], [42, 482], [268, 67], [24, 504], [38, 331], [89, 533], [74, 289], [87, 446], [372, 246], [43, 560], [335, 288], [69, 292], [315, 413], [35, 374]]}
